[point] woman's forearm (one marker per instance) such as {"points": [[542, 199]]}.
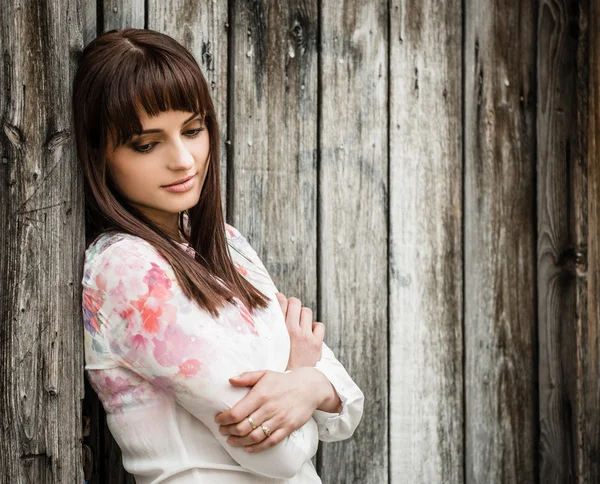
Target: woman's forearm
{"points": [[329, 400]]}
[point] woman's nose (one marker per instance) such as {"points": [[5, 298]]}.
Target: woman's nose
{"points": [[181, 156]]}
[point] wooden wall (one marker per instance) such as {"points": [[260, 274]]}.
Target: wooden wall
{"points": [[425, 243], [41, 247], [566, 263], [421, 173]]}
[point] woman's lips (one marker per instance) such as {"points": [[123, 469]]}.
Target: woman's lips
{"points": [[182, 187]]}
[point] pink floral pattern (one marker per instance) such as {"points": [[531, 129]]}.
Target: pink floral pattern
{"points": [[152, 326], [119, 389]]}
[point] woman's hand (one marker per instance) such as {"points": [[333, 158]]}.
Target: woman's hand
{"points": [[283, 402], [306, 337]]}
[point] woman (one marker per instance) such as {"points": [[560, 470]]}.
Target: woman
{"points": [[206, 372]]}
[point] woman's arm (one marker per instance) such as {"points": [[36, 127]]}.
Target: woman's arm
{"points": [[153, 329], [331, 426], [339, 426]]}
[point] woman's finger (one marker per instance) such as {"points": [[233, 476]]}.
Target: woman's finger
{"points": [[292, 318], [251, 402], [240, 429], [276, 436], [306, 316], [255, 436], [318, 330], [243, 427], [283, 302]]}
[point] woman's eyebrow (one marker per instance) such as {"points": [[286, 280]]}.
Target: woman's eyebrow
{"points": [[160, 130]]}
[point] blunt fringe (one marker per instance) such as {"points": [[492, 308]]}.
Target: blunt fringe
{"points": [[119, 72]]}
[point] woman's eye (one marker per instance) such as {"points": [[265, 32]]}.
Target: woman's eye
{"points": [[147, 148], [194, 132], [144, 148]]}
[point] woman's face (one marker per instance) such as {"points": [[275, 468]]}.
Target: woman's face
{"points": [[173, 145]]}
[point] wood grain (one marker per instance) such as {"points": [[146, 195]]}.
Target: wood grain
{"points": [[426, 340], [273, 112], [558, 254], [589, 303], [42, 241], [500, 244], [118, 14], [353, 227]]}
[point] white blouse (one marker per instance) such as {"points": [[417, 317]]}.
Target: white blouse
{"points": [[160, 366]]}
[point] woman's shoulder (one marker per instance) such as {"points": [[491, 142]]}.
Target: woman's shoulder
{"points": [[246, 259], [238, 242], [231, 232], [115, 241], [114, 247]]}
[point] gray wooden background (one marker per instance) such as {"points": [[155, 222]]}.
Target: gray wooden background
{"points": [[422, 173]]}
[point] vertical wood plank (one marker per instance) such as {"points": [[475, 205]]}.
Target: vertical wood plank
{"points": [[202, 28], [89, 20], [42, 234], [500, 261], [274, 138], [590, 349], [426, 346], [559, 253], [353, 231], [118, 14], [586, 454]]}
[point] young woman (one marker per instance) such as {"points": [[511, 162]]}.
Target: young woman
{"points": [[206, 372]]}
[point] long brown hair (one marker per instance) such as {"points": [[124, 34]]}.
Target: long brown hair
{"points": [[120, 71]]}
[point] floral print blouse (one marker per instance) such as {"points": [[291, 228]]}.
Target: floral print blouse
{"points": [[160, 366]]}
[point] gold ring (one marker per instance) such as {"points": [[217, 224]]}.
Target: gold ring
{"points": [[266, 430], [252, 423]]}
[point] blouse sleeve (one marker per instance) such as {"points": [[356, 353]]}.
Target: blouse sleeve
{"points": [[339, 426], [331, 426], [153, 329]]}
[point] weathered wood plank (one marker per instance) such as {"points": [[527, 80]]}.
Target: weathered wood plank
{"points": [[274, 138], [558, 253], [118, 14], [589, 303], [426, 346], [587, 455], [202, 27], [89, 21], [42, 234], [500, 283], [352, 225]]}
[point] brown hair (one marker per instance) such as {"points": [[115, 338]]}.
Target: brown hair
{"points": [[120, 71]]}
